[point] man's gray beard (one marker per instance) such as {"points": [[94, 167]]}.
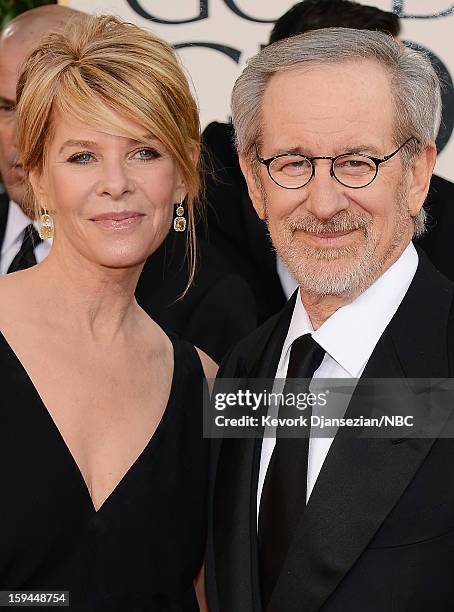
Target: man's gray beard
{"points": [[313, 267]]}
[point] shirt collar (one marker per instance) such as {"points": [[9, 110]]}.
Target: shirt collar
{"points": [[350, 334], [16, 223]]}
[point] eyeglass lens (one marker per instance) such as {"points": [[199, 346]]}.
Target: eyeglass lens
{"points": [[293, 171]]}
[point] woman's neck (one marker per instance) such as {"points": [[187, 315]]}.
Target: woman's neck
{"points": [[96, 301]]}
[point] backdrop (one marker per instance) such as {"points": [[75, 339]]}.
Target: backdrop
{"points": [[215, 37]]}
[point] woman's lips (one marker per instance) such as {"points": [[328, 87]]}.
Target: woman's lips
{"points": [[118, 220]]}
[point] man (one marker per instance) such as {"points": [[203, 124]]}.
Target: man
{"points": [[218, 309], [19, 240], [235, 229], [336, 138]]}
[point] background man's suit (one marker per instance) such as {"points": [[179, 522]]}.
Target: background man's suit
{"points": [[438, 242], [377, 534], [233, 225], [236, 231], [217, 311]]}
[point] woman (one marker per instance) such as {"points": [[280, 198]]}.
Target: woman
{"points": [[103, 465]]}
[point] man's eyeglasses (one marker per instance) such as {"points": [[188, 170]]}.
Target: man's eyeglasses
{"points": [[354, 170]]}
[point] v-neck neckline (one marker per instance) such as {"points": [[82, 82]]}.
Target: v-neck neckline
{"points": [[149, 446]]}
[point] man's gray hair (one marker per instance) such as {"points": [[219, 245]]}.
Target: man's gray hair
{"points": [[415, 85]]}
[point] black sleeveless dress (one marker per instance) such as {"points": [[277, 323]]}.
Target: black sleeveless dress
{"points": [[142, 549]]}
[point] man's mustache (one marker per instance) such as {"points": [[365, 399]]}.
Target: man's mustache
{"points": [[344, 221]]}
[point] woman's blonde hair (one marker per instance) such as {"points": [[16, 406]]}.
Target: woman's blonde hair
{"points": [[96, 70]]}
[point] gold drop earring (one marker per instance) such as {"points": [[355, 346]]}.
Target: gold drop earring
{"points": [[179, 223], [46, 226]]}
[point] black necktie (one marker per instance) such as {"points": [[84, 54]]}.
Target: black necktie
{"points": [[25, 257], [284, 490]]}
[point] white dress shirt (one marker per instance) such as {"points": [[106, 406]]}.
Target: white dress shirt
{"points": [[288, 281], [14, 234], [349, 337]]}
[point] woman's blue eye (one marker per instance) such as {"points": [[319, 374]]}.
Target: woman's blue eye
{"points": [[142, 154], [147, 154], [81, 158], [7, 108]]}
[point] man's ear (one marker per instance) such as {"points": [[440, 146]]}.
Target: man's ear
{"points": [[420, 175], [255, 192]]}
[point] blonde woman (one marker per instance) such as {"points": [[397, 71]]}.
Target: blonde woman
{"points": [[102, 461]]}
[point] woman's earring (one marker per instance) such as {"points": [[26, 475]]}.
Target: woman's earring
{"points": [[179, 223], [46, 226]]}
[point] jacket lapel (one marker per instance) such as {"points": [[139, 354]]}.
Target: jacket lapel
{"points": [[235, 492], [263, 360], [4, 209], [362, 479]]}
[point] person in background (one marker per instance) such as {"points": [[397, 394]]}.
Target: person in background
{"points": [[310, 15], [217, 310], [20, 244], [101, 449], [233, 226]]}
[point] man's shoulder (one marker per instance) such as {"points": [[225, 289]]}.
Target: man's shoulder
{"points": [[421, 330], [257, 336], [241, 358], [429, 291], [235, 364]]}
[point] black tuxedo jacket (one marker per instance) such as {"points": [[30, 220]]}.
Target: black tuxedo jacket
{"points": [[217, 311], [237, 232], [377, 534]]}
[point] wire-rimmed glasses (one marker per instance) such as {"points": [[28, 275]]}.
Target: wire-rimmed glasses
{"points": [[354, 170]]}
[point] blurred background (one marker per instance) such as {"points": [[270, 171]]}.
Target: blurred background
{"points": [[215, 37]]}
